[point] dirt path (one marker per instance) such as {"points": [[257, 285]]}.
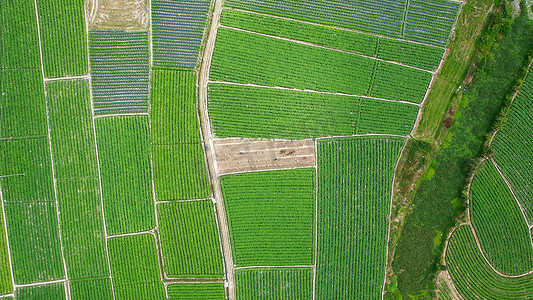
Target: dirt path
{"points": [[210, 155]]}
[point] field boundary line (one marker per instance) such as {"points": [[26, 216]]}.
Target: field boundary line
{"points": [[54, 179], [510, 187], [253, 140], [488, 262], [377, 135], [335, 27], [41, 283], [267, 170], [311, 91], [170, 281], [8, 247], [119, 115], [131, 234], [390, 216], [181, 201], [205, 124], [316, 219], [91, 103], [326, 48], [274, 267], [67, 78], [12, 175], [5, 296]]}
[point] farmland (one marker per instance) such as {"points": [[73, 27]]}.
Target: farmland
{"points": [[354, 182], [275, 283], [280, 230], [238, 149]]}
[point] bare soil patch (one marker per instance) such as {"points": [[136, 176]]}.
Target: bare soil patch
{"points": [[129, 15], [245, 155]]}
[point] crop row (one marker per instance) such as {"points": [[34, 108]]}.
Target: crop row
{"points": [[512, 147], [63, 37], [428, 21], [271, 217], [502, 230], [354, 193], [178, 28], [179, 165], [412, 54], [189, 239], [205, 291], [473, 277], [274, 283], [120, 71], [124, 152], [243, 57], [254, 112]]}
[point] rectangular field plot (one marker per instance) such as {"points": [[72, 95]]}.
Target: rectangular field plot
{"points": [[91, 289], [204, 291], [82, 228], [23, 109], [6, 285], [135, 267], [177, 28], [408, 53], [54, 291], [180, 172], [72, 133], [120, 71], [354, 194], [173, 107], [29, 161], [190, 240], [427, 21], [242, 155], [34, 242], [431, 21], [271, 217], [248, 58], [274, 283], [63, 37], [255, 112], [179, 164], [124, 152], [19, 32]]}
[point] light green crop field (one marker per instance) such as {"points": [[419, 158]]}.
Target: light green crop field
{"points": [[274, 283], [280, 229], [50, 291], [189, 239], [187, 291]]}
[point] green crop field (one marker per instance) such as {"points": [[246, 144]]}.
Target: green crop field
{"points": [[134, 267], [472, 275], [63, 37], [50, 291], [179, 165], [189, 239], [354, 197], [499, 224], [94, 289], [280, 229], [243, 57], [206, 291], [124, 151], [415, 55], [6, 285], [274, 283], [275, 113], [512, 147]]}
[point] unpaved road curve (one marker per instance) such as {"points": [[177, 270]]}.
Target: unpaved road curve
{"points": [[210, 155]]}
